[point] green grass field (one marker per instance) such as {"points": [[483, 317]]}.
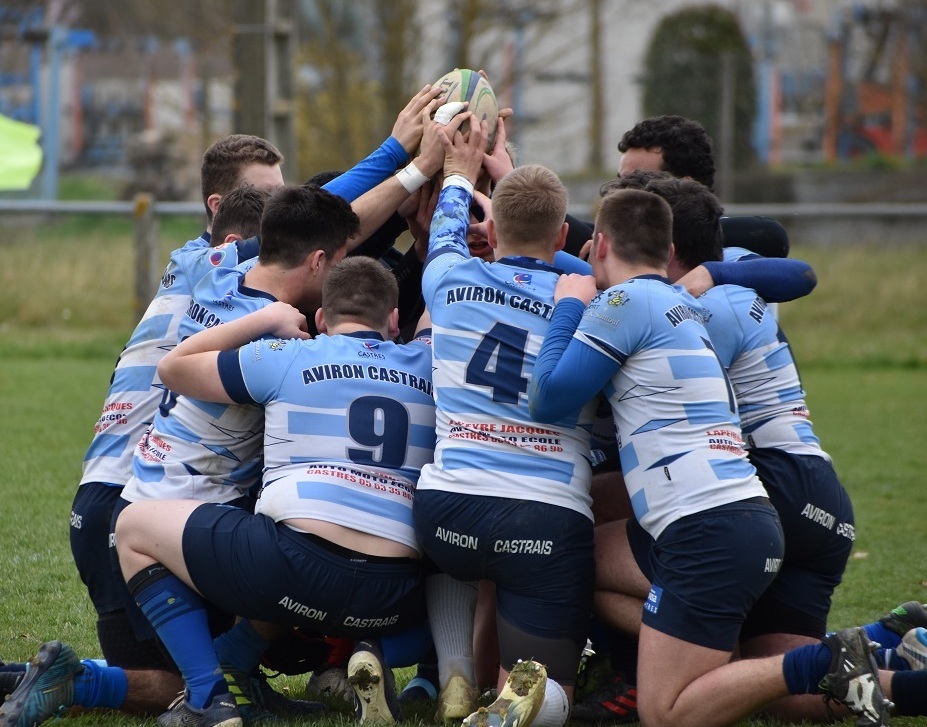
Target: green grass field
{"points": [[66, 310]]}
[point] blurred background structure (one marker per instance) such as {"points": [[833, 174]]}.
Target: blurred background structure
{"points": [[137, 89]]}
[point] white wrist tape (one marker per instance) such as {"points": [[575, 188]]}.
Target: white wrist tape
{"points": [[411, 178], [459, 180], [448, 111]]}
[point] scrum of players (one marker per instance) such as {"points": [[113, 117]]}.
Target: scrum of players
{"points": [[563, 468]]}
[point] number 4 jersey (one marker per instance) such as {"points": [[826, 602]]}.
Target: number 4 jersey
{"points": [[488, 322]]}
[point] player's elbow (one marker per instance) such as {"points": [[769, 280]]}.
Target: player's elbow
{"points": [[168, 372]]}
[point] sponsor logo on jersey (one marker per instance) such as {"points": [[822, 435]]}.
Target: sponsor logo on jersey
{"points": [[371, 350], [522, 278], [277, 345], [619, 297], [216, 257], [223, 302], [773, 565]]}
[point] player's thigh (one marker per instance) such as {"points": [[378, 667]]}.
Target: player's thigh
{"points": [[666, 665], [616, 567], [91, 515], [610, 499], [154, 529]]}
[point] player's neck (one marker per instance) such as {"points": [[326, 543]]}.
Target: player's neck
{"points": [[619, 272], [535, 252]]}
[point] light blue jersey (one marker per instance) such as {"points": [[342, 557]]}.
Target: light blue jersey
{"points": [[488, 321], [349, 422], [135, 390], [643, 344], [196, 449], [761, 369]]}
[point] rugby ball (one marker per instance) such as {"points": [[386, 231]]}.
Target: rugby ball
{"points": [[913, 648], [462, 84]]}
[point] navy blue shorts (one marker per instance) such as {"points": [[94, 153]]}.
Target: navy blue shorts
{"points": [[251, 566], [540, 556], [709, 569], [91, 518], [817, 519]]}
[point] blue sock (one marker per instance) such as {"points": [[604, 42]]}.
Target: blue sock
{"points": [[408, 648], [178, 615], [909, 693], [884, 637], [805, 667], [240, 647], [99, 685], [890, 659]]}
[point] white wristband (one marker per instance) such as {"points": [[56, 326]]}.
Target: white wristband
{"points": [[411, 178], [459, 180]]}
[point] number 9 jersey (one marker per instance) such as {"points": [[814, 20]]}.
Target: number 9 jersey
{"points": [[349, 421]]}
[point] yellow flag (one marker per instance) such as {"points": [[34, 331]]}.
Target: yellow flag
{"points": [[20, 153]]}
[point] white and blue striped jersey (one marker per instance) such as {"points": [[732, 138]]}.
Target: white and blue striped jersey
{"points": [[762, 370], [643, 344], [135, 390], [196, 449], [349, 422], [488, 321]]}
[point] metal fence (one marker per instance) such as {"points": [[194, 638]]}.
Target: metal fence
{"points": [[817, 223]]}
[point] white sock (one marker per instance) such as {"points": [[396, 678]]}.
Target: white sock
{"points": [[555, 709], [451, 607]]}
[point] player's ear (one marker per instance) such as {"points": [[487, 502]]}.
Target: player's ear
{"points": [[320, 325], [232, 237], [393, 322], [600, 246], [315, 260], [491, 238], [561, 241], [212, 202]]}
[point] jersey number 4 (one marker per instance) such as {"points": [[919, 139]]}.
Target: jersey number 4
{"points": [[498, 361]]}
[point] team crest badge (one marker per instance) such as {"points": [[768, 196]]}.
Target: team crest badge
{"points": [[617, 298], [276, 345], [522, 279]]}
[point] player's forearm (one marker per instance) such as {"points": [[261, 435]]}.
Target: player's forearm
{"points": [[369, 172], [375, 207], [550, 382], [451, 218], [777, 280]]}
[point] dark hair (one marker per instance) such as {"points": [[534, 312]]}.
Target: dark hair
{"points": [[323, 178], [639, 225], [635, 179], [684, 144], [697, 215], [239, 213], [359, 288], [697, 234], [224, 162], [298, 220]]}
